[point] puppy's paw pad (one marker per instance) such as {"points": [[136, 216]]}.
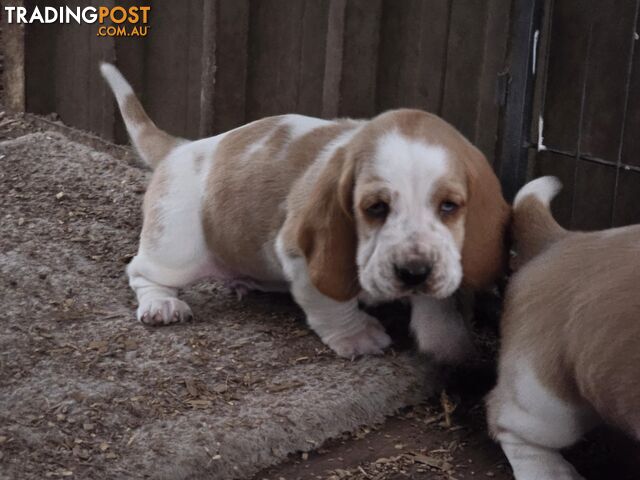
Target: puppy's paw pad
{"points": [[371, 340], [164, 311]]}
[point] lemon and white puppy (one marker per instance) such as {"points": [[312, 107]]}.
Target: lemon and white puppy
{"points": [[570, 351], [400, 206]]}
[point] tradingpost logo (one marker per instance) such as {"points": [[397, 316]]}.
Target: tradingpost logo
{"points": [[112, 21]]}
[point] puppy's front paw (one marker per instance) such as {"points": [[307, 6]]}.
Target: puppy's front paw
{"points": [[371, 339], [164, 311], [447, 347]]}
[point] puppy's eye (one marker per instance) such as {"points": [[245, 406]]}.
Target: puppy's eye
{"points": [[378, 210], [447, 207]]}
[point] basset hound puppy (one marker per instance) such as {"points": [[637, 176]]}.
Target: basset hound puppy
{"points": [[400, 206], [570, 346]]}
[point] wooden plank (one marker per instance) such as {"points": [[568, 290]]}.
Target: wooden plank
{"points": [[631, 140], [232, 30], [13, 66], [334, 58], [207, 85], [101, 108], [62, 73], [516, 90], [130, 59], [275, 35], [593, 199], [39, 55], [570, 27], [495, 39], [412, 56], [464, 63], [627, 209], [173, 67], [360, 58], [80, 95], [607, 74], [315, 25], [194, 66]]}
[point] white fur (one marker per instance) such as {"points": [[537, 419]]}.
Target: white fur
{"points": [[531, 424], [119, 85], [301, 124], [122, 90], [410, 171], [543, 188], [342, 326]]}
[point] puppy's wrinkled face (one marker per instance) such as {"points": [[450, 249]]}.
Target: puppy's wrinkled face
{"points": [[410, 205]]}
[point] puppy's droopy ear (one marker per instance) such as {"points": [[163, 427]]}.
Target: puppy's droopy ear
{"points": [[484, 253], [327, 233]]}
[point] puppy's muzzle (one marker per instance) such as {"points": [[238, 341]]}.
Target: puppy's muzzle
{"points": [[412, 274]]}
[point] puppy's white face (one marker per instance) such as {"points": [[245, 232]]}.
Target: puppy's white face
{"points": [[409, 204]]}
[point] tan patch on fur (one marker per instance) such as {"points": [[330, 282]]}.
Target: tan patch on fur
{"points": [[574, 311], [535, 230], [132, 109], [243, 211], [152, 143], [484, 254], [152, 226], [324, 230]]}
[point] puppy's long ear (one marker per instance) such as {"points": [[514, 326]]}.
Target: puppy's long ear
{"points": [[327, 233], [484, 253]]}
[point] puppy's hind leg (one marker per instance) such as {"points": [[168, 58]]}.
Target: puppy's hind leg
{"points": [[172, 251], [533, 462], [532, 424], [157, 291]]}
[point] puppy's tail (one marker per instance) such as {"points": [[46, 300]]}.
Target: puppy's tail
{"points": [[534, 229], [151, 143]]}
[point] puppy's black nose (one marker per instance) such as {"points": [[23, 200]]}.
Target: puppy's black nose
{"points": [[412, 274]]}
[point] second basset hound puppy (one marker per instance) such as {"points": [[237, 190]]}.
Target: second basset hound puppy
{"points": [[400, 206], [570, 338]]}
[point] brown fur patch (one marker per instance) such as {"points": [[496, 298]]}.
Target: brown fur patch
{"points": [[152, 143], [535, 230], [484, 254], [133, 111], [326, 231], [246, 201], [574, 310]]}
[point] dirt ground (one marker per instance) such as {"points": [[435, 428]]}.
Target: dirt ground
{"points": [[418, 444], [86, 355]]}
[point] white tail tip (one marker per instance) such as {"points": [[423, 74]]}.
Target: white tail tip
{"points": [[116, 81], [543, 188]]}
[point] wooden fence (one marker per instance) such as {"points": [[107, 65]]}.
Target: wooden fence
{"points": [[208, 66], [587, 124]]}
